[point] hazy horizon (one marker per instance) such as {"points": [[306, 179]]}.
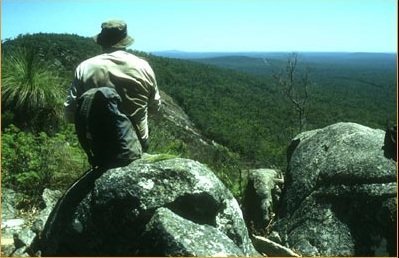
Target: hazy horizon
{"points": [[275, 52]]}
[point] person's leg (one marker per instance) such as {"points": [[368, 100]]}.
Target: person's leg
{"points": [[62, 213], [144, 145]]}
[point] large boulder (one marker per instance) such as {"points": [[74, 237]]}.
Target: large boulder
{"points": [[116, 212], [340, 194]]}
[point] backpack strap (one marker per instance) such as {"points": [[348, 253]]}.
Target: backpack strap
{"points": [[84, 113]]}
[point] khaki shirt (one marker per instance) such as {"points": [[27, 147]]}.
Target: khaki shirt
{"points": [[131, 76]]}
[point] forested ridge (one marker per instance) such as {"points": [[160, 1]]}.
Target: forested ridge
{"points": [[350, 82], [241, 109]]}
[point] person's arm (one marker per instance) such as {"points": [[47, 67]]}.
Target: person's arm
{"points": [[70, 103], [154, 101]]}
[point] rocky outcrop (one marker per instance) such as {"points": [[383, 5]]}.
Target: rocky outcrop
{"points": [[19, 229], [171, 113], [152, 208], [174, 113], [168, 234], [261, 197], [8, 203], [340, 194]]}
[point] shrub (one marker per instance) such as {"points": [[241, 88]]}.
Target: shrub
{"points": [[32, 162]]}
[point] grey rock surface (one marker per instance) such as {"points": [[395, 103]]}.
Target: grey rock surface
{"points": [[340, 194], [17, 230], [168, 234], [110, 214], [261, 197], [8, 203]]}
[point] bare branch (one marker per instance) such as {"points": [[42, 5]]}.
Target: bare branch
{"points": [[296, 90]]}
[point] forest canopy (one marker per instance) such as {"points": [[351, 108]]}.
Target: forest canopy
{"points": [[232, 100]]}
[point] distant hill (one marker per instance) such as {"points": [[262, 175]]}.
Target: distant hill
{"points": [[253, 65], [261, 63], [198, 55], [355, 82], [322, 56], [188, 55]]}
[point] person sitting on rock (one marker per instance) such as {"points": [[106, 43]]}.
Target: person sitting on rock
{"points": [[131, 77]]}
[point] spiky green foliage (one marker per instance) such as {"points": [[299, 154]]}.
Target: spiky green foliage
{"points": [[31, 90]]}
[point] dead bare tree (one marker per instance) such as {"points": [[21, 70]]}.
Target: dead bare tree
{"points": [[294, 85]]}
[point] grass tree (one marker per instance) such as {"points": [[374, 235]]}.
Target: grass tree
{"points": [[31, 90]]}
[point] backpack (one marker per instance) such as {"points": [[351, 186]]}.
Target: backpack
{"points": [[106, 134]]}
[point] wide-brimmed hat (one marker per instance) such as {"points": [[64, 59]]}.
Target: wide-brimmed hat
{"points": [[113, 34]]}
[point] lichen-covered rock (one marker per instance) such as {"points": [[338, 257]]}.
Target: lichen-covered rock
{"points": [[339, 194], [8, 203], [168, 234], [19, 230], [260, 197], [109, 212]]}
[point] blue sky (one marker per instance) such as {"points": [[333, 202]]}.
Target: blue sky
{"points": [[218, 25]]}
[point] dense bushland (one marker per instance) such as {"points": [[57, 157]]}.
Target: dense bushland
{"points": [[244, 111]]}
